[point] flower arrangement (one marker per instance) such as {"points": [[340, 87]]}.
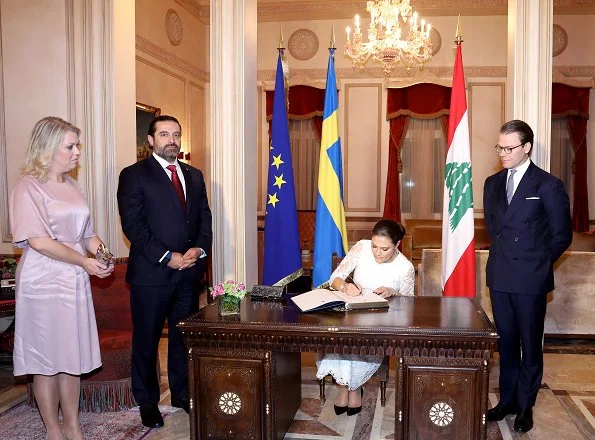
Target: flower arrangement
{"points": [[230, 293], [8, 267]]}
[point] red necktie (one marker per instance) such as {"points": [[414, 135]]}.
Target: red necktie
{"points": [[175, 180]]}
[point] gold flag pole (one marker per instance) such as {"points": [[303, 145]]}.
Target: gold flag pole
{"points": [[280, 47], [458, 35], [332, 42]]}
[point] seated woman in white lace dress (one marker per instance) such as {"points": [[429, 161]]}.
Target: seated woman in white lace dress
{"points": [[380, 267]]}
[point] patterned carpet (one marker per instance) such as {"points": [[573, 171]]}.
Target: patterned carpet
{"points": [[565, 409], [24, 423], [317, 421]]}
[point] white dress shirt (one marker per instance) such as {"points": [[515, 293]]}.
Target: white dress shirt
{"points": [[164, 164], [520, 172]]}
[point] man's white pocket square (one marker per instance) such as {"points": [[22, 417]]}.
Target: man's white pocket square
{"points": [[532, 198]]}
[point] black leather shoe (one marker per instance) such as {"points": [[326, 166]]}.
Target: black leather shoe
{"points": [[181, 403], [151, 417], [524, 421], [340, 409], [500, 411]]}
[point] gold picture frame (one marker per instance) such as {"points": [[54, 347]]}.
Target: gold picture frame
{"points": [[144, 115]]}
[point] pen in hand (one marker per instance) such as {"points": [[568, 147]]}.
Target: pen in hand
{"points": [[350, 279]]}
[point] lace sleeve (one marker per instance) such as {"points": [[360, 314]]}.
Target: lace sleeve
{"points": [[407, 282], [348, 263]]}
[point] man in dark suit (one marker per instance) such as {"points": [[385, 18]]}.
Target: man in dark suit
{"points": [[165, 215], [527, 216]]}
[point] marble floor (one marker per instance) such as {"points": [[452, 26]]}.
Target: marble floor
{"points": [[565, 407]]}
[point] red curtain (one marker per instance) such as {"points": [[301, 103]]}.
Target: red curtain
{"points": [[444, 121], [305, 102], [392, 200], [572, 103], [577, 128], [424, 101]]}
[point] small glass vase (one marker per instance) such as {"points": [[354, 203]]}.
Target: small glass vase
{"points": [[229, 305]]}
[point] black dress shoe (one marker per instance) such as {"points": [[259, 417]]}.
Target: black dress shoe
{"points": [[500, 411], [353, 411], [524, 421], [340, 409], [150, 416], [181, 403]]}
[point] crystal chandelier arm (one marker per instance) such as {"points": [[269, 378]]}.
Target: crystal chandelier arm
{"points": [[388, 43]]}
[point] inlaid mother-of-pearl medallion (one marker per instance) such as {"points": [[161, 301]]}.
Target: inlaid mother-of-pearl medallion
{"points": [[230, 403], [441, 414]]}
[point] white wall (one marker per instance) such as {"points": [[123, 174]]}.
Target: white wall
{"points": [[175, 78], [73, 59], [34, 79]]}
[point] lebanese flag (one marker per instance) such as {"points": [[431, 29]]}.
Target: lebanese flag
{"points": [[458, 243]]}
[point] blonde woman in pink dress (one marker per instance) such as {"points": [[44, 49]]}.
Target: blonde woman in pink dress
{"points": [[56, 335]]}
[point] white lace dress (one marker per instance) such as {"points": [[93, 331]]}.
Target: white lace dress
{"points": [[355, 370]]}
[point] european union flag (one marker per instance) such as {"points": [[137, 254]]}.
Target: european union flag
{"points": [[330, 235], [282, 256]]}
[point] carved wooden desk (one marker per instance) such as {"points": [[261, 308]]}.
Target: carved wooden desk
{"points": [[244, 373]]}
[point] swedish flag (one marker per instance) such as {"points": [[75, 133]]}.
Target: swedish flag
{"points": [[331, 230], [282, 257]]}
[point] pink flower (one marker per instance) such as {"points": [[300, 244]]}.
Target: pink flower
{"points": [[229, 288]]}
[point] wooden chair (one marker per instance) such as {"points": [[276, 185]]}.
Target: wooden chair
{"points": [[381, 373]]}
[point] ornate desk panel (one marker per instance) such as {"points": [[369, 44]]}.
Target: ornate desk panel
{"points": [[244, 372]]}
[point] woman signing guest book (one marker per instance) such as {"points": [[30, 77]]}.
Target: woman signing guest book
{"points": [[377, 267]]}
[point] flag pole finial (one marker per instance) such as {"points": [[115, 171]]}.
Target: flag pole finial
{"points": [[332, 42], [458, 35], [281, 46]]}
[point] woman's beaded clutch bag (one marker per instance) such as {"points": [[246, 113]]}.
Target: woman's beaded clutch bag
{"points": [[103, 254]]}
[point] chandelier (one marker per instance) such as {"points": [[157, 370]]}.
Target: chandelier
{"points": [[390, 42]]}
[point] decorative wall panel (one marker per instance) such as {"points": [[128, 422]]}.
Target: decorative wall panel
{"points": [[362, 147], [486, 108]]}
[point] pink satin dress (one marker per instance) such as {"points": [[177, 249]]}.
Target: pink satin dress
{"points": [[55, 328]]}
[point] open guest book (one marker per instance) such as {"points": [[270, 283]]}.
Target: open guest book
{"points": [[319, 299]]}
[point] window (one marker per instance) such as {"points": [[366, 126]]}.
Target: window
{"points": [[562, 154], [423, 156], [305, 152]]}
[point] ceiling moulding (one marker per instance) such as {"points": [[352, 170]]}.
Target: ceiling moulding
{"points": [[288, 10], [574, 7], [199, 11], [170, 59], [298, 78], [418, 77], [582, 76], [586, 77], [398, 74]]}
